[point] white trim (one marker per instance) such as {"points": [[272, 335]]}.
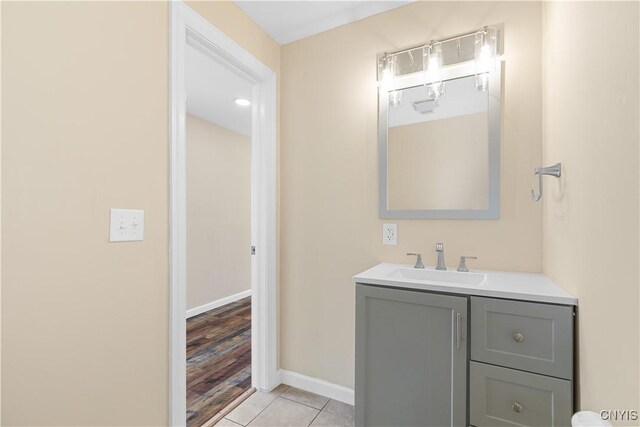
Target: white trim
{"points": [[317, 386], [187, 27], [217, 303]]}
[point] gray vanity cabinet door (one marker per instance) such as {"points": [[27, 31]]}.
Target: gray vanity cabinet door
{"points": [[411, 370]]}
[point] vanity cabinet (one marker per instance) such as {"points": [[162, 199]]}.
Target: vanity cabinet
{"points": [[416, 367], [411, 358]]}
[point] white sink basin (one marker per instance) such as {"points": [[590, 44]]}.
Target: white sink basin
{"points": [[446, 277]]}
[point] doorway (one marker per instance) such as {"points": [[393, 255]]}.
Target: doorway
{"points": [[191, 33], [218, 149]]}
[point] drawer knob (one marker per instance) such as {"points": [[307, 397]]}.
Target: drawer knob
{"points": [[518, 337], [517, 407]]}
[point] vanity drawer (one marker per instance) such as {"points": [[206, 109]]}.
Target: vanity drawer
{"points": [[532, 337], [507, 397]]}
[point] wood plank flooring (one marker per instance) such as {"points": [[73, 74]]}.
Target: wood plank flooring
{"points": [[218, 359]]}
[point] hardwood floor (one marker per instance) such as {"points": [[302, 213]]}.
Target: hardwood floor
{"points": [[218, 359]]}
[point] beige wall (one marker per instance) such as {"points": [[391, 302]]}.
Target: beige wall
{"points": [[218, 212], [84, 129], [591, 214], [329, 173], [85, 108], [422, 156]]}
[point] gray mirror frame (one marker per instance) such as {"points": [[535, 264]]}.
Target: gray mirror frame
{"points": [[495, 136]]}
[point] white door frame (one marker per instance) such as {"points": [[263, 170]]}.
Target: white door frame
{"points": [[189, 28]]}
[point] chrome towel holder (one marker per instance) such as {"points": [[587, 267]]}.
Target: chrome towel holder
{"points": [[555, 170]]}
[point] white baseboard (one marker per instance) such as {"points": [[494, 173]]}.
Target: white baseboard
{"points": [[218, 303], [317, 386]]}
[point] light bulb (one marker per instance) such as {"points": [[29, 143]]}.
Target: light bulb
{"points": [[386, 80], [432, 65], [388, 73], [485, 56]]}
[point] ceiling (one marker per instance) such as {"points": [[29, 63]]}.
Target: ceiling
{"points": [[288, 21], [211, 91]]}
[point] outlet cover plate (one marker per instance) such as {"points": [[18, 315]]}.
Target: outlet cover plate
{"points": [[127, 225], [390, 234]]}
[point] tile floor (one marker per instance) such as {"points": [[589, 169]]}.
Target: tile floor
{"points": [[289, 406]]}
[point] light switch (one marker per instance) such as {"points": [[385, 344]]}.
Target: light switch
{"points": [[127, 225]]}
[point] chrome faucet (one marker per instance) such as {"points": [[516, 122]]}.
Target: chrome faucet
{"points": [[419, 263], [440, 251]]}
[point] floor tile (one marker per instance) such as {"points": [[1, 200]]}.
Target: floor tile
{"points": [[285, 413], [226, 423], [279, 390], [254, 404], [335, 414], [306, 398]]}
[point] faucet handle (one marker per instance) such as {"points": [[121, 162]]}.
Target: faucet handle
{"points": [[463, 266], [419, 263]]}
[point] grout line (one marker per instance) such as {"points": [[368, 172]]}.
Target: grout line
{"points": [[263, 409], [290, 400], [308, 406], [314, 418], [230, 407]]}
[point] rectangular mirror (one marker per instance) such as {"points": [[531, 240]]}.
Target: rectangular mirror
{"points": [[441, 159]]}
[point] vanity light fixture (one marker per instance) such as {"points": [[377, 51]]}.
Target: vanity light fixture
{"points": [[432, 65], [483, 46], [485, 56], [242, 102]]}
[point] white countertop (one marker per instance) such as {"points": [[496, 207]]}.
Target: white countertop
{"points": [[498, 284]]}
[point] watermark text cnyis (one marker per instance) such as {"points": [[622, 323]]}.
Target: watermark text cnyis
{"points": [[619, 415]]}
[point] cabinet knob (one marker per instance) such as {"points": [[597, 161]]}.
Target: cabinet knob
{"points": [[517, 407], [518, 337]]}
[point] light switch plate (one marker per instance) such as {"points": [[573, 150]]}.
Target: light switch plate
{"points": [[390, 234], [127, 225]]}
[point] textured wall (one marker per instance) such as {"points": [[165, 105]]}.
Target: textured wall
{"points": [[591, 110], [218, 212]]}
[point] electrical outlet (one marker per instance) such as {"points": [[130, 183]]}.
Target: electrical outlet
{"points": [[390, 234]]}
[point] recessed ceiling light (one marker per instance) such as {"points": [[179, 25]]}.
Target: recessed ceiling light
{"points": [[243, 102]]}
